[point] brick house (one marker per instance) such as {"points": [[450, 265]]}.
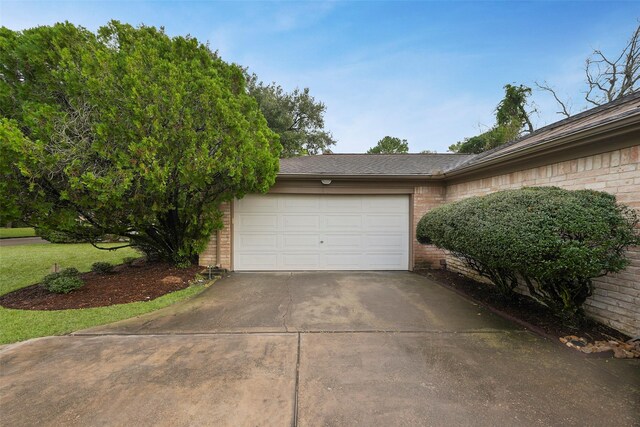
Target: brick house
{"points": [[359, 211]]}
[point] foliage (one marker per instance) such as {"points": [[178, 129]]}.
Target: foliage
{"points": [[66, 281], [556, 241], [64, 284], [129, 260], [390, 145], [11, 138], [57, 236], [102, 267], [296, 116], [492, 138], [512, 120], [511, 111], [127, 132]]}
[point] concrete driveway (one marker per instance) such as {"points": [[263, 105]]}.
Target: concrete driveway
{"points": [[314, 349]]}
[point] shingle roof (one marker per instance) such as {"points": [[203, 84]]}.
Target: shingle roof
{"points": [[371, 164], [423, 165]]}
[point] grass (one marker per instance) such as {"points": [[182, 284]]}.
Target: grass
{"points": [[19, 325], [9, 233], [25, 265]]}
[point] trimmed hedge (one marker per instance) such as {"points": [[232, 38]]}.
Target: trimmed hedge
{"points": [[553, 240]]}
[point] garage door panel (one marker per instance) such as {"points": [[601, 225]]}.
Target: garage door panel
{"points": [[385, 204], [257, 204], [257, 222], [302, 204], [257, 261], [344, 261], [385, 242], [300, 241], [262, 241], [321, 232], [384, 261], [343, 204], [298, 261], [386, 222], [343, 221], [338, 241], [301, 222]]}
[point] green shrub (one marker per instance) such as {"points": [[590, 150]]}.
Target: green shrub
{"points": [[69, 272], [102, 267], [63, 282], [57, 237], [553, 240]]}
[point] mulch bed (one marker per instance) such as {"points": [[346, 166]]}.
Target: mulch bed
{"points": [[523, 309], [125, 284]]}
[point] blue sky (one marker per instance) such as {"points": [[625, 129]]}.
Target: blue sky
{"points": [[430, 72]]}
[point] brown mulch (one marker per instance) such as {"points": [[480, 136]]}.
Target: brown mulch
{"points": [[523, 309], [125, 284]]}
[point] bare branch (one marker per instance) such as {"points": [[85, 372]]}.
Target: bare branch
{"points": [[610, 79], [564, 110]]}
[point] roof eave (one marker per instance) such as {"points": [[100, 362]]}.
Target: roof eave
{"points": [[360, 177]]}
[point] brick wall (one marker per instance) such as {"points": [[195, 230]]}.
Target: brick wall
{"points": [[616, 298], [424, 199], [208, 256]]}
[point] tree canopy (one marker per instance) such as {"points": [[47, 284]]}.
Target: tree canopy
{"points": [[127, 132], [390, 145], [296, 116], [512, 120]]}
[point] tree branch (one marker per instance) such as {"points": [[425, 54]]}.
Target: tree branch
{"points": [[565, 111], [110, 249]]}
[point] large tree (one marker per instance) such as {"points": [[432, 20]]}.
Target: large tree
{"points": [[127, 132], [390, 145], [512, 120], [296, 116], [607, 77]]}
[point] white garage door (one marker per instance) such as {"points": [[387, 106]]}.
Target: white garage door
{"points": [[321, 232]]}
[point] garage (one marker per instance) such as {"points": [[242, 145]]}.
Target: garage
{"points": [[286, 232]]}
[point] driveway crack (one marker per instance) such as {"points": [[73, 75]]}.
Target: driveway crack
{"points": [[289, 303], [294, 421]]}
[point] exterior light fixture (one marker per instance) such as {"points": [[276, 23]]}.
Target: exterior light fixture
{"points": [[325, 181]]}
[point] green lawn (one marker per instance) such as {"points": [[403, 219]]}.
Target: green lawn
{"points": [[22, 266], [8, 233]]}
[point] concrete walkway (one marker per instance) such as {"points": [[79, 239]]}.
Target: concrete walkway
{"points": [[334, 349]]}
